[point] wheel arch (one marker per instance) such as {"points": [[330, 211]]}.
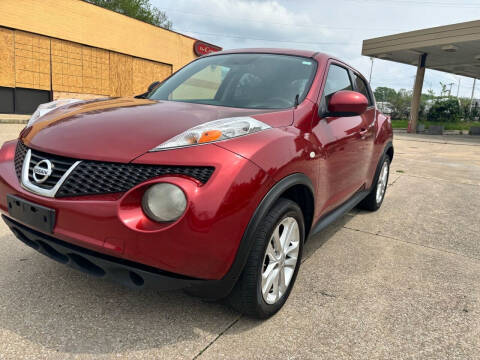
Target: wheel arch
{"points": [[302, 195], [295, 186], [389, 150]]}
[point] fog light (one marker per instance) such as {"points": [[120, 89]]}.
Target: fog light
{"points": [[164, 202]]}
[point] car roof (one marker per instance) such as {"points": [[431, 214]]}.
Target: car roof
{"points": [[305, 53]]}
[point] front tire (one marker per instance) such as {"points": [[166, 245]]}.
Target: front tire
{"points": [[273, 263], [375, 198]]}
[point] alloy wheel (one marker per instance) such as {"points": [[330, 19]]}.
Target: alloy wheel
{"points": [[382, 182], [280, 260]]}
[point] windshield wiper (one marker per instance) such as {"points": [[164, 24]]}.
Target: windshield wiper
{"points": [[295, 103]]}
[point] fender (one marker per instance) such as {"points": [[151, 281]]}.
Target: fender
{"points": [[218, 289]]}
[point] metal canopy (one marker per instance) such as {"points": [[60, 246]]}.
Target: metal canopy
{"points": [[453, 48]]}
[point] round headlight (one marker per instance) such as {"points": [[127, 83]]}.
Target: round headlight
{"points": [[164, 202]]}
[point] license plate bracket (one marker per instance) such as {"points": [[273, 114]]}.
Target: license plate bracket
{"points": [[37, 216]]}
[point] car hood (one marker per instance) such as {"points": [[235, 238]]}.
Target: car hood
{"points": [[122, 129]]}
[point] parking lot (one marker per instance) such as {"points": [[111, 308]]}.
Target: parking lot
{"points": [[399, 283]]}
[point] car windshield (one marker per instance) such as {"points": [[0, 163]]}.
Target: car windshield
{"points": [[253, 81]]}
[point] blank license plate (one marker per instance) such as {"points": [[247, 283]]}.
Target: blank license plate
{"points": [[34, 215]]}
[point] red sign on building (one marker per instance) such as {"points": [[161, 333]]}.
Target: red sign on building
{"points": [[201, 48]]}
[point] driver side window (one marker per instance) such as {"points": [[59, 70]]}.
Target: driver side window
{"points": [[337, 79]]}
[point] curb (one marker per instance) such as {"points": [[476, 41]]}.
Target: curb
{"points": [[13, 121]]}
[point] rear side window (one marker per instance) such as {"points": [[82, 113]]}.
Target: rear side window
{"points": [[362, 87], [337, 79]]}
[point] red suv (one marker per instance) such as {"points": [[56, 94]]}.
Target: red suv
{"points": [[211, 181]]}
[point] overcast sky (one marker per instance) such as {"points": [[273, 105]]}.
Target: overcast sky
{"points": [[334, 27]]}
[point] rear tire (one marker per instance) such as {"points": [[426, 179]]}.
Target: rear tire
{"points": [[379, 186], [273, 263]]}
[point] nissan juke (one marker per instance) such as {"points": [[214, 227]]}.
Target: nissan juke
{"points": [[212, 181]]}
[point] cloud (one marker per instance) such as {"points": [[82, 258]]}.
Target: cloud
{"points": [[337, 28], [245, 22]]}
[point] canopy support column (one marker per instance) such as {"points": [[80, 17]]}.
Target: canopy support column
{"points": [[417, 93]]}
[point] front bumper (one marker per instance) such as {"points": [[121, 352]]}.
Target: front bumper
{"points": [[124, 272], [202, 244]]}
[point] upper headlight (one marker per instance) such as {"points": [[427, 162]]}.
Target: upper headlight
{"points": [[214, 131], [47, 107]]}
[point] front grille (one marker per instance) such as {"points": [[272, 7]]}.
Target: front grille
{"points": [[92, 177], [95, 177], [20, 153], [60, 166]]}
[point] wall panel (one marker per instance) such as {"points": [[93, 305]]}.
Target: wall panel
{"points": [[32, 61], [121, 70], [7, 58], [96, 71], [66, 66], [71, 69], [145, 72], [78, 68], [84, 23], [82, 96]]}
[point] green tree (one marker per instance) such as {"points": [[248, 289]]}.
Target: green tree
{"points": [[464, 104], [444, 89], [401, 104], [445, 109], [475, 113], [430, 95], [383, 93], [138, 9]]}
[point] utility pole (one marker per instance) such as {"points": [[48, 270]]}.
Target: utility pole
{"points": [[471, 98], [371, 70], [459, 82], [450, 90]]}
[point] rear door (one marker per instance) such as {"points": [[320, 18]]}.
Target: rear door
{"points": [[368, 130]]}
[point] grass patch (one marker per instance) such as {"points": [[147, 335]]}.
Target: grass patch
{"points": [[400, 124], [461, 125], [400, 171]]}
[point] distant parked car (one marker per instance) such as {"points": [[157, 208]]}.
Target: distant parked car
{"points": [[385, 107], [211, 182]]}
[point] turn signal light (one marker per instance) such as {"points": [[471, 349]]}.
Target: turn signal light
{"points": [[210, 135], [7, 151]]}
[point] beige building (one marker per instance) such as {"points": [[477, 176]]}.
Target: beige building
{"points": [[53, 49]]}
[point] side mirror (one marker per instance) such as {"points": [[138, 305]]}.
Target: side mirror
{"points": [[152, 86], [347, 103]]}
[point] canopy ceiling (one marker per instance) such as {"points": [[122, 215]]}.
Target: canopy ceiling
{"points": [[453, 48]]}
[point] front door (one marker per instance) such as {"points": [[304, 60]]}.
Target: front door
{"points": [[342, 141]]}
